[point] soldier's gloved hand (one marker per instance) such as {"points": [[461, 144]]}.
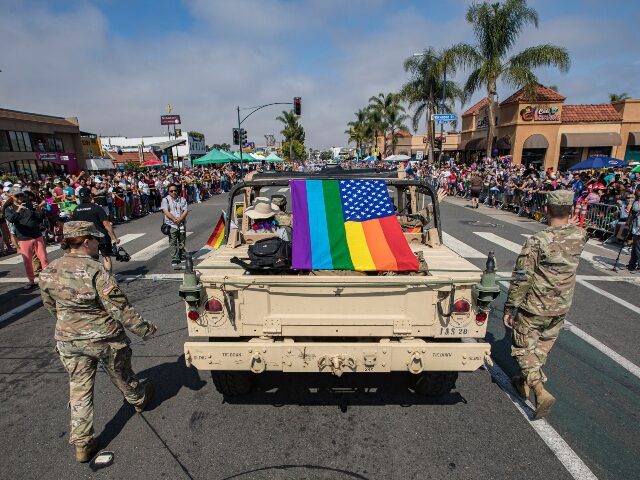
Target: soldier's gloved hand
{"points": [[150, 330]]}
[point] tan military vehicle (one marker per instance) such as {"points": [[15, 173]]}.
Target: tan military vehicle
{"points": [[336, 321]]}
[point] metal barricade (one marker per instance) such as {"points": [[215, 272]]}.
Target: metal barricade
{"points": [[538, 201], [601, 217]]}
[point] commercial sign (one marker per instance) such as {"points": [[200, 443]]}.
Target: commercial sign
{"points": [[170, 120], [419, 154], [482, 123], [540, 113]]}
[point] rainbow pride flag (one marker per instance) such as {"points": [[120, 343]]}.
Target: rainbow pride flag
{"points": [[347, 225], [217, 236]]}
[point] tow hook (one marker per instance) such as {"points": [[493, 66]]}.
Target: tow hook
{"points": [[257, 363], [187, 358], [488, 361], [337, 363], [415, 363]]}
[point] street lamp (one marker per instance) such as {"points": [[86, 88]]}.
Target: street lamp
{"points": [[444, 95]]}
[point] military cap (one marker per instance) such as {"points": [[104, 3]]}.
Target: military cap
{"points": [[80, 228], [560, 197], [279, 200]]}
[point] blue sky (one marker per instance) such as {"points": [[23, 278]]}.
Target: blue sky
{"points": [[116, 64]]}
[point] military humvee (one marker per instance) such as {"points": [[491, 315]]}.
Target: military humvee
{"points": [[337, 321]]}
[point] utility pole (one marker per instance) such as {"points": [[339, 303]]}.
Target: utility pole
{"points": [[444, 96], [240, 143]]}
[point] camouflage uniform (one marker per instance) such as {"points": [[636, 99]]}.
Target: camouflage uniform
{"points": [[550, 259], [92, 313]]}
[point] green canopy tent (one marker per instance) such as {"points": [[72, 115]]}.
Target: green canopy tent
{"points": [[215, 157], [246, 157], [272, 157]]}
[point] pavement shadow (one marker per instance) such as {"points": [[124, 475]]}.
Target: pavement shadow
{"points": [[14, 298], [169, 378], [318, 389], [132, 272]]}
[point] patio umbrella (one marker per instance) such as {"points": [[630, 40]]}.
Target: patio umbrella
{"points": [[598, 163], [151, 163]]}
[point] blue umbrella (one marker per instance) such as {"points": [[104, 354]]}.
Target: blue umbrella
{"points": [[599, 162]]}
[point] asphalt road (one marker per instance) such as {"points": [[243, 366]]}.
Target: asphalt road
{"points": [[318, 427]]}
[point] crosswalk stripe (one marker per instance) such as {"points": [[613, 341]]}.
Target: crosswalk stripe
{"points": [[610, 296], [461, 248], [498, 240], [17, 259], [129, 237], [152, 250]]}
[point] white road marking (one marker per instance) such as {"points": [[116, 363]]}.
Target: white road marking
{"points": [[283, 190], [14, 280], [560, 448], [498, 240], [610, 296], [616, 357], [609, 278], [12, 313], [152, 250], [526, 235], [17, 259], [461, 248], [154, 277], [129, 237]]}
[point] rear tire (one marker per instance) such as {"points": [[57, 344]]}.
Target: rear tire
{"points": [[233, 384], [435, 384]]}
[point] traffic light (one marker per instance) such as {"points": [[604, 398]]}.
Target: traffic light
{"points": [[243, 136], [236, 136], [438, 143], [297, 105]]}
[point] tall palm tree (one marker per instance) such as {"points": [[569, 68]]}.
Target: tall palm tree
{"points": [[293, 134], [395, 123], [616, 97], [424, 90], [496, 27], [375, 124], [390, 111], [357, 130]]}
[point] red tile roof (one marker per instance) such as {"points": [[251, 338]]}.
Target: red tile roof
{"points": [[133, 157], [400, 134], [603, 112], [476, 108], [542, 94]]}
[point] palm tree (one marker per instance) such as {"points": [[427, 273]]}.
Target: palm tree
{"points": [[496, 27], [293, 134], [375, 124], [395, 122], [424, 90], [357, 130], [391, 111], [616, 97]]}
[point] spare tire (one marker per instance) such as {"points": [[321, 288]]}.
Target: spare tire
{"points": [[233, 384], [435, 384]]}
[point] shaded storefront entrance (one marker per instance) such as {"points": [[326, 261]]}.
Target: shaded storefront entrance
{"points": [[575, 147], [534, 150]]}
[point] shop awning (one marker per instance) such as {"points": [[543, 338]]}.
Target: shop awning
{"points": [[100, 164], [604, 139], [476, 144], [634, 138], [536, 141], [169, 144]]}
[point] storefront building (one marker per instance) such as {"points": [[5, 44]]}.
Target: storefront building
{"points": [[547, 133], [32, 144], [416, 145]]}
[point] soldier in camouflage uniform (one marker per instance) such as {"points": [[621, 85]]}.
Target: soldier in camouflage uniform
{"points": [[92, 314], [536, 307]]}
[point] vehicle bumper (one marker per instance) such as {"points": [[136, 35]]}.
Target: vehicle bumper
{"points": [[414, 356]]}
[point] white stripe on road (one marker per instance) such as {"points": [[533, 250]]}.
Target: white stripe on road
{"points": [[608, 278], [17, 259], [14, 280], [616, 357], [152, 250], [610, 296], [560, 448], [129, 237], [12, 313], [498, 240], [461, 248], [283, 190]]}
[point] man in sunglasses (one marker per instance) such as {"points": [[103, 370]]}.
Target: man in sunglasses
{"points": [[175, 215]]}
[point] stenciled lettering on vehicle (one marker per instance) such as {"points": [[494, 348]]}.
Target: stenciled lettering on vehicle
{"points": [[453, 331], [441, 354], [231, 354]]}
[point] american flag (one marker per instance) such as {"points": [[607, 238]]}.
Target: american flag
{"points": [[365, 200]]}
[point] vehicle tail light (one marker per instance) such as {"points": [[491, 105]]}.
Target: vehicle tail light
{"points": [[481, 317], [193, 315], [461, 306], [213, 305]]}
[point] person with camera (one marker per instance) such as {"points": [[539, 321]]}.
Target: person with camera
{"points": [[88, 211], [175, 212], [27, 217]]}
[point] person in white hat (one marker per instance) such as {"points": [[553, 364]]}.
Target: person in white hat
{"points": [[262, 213]]}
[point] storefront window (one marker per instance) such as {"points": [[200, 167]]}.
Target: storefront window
{"points": [[569, 156], [632, 153], [59, 145], [533, 157], [20, 142], [606, 151], [5, 146]]}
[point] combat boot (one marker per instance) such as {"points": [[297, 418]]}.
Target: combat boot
{"points": [[521, 386], [544, 401], [149, 390], [86, 451]]}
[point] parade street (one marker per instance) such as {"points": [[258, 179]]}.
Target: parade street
{"points": [[320, 426]]}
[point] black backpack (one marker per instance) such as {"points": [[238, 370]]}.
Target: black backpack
{"points": [[271, 255]]}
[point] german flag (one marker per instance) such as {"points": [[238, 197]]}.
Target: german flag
{"points": [[216, 239]]}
